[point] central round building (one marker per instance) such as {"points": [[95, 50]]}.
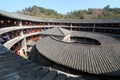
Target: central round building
{"points": [[82, 51]]}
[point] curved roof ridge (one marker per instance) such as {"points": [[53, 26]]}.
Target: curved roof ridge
{"points": [[37, 19], [69, 43], [61, 30], [56, 31], [103, 39], [90, 59], [64, 31]]}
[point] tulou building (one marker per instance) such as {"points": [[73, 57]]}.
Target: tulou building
{"points": [[33, 48]]}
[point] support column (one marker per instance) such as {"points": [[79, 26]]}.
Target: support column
{"points": [[93, 27], [24, 47], [71, 27], [70, 32], [20, 23], [49, 25], [24, 42], [21, 33]]}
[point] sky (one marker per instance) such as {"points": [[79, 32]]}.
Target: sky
{"points": [[61, 6]]}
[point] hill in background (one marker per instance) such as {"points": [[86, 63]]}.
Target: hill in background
{"points": [[91, 13], [41, 12]]}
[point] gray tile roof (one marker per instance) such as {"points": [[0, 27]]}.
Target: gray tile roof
{"points": [[57, 31], [38, 19], [104, 40], [14, 67], [101, 60]]}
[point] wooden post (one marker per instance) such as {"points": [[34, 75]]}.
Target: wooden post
{"points": [[93, 27]]}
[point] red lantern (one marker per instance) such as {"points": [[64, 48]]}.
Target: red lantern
{"points": [[30, 23], [26, 23], [1, 21], [18, 52], [15, 22], [8, 21]]}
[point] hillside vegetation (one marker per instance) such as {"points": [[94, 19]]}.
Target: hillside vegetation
{"points": [[41, 12], [91, 13]]}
